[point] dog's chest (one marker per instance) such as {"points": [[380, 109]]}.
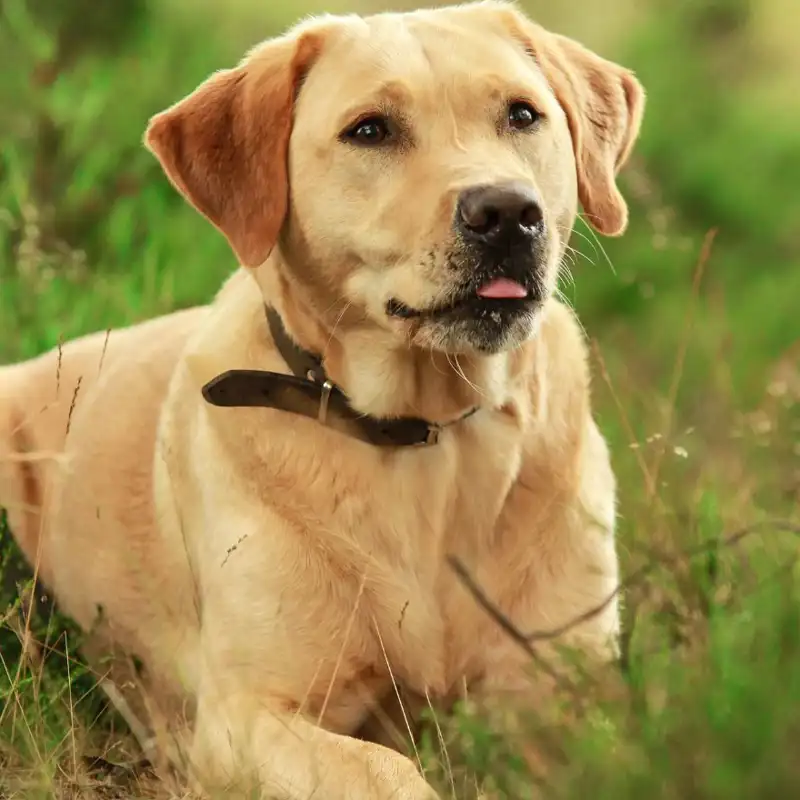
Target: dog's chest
{"points": [[425, 510]]}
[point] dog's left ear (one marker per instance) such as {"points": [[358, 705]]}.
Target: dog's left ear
{"points": [[225, 146], [604, 104]]}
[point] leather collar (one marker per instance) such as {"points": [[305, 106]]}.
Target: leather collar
{"points": [[310, 393]]}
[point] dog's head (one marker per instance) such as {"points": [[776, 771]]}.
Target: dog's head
{"points": [[422, 168]]}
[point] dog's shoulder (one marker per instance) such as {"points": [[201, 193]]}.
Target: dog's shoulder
{"points": [[564, 339], [558, 381], [232, 336], [556, 365]]}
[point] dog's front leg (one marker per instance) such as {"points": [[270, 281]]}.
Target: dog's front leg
{"points": [[562, 577], [248, 742], [278, 633]]}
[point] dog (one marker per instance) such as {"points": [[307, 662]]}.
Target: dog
{"points": [[263, 499]]}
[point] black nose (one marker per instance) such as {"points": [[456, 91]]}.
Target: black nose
{"points": [[491, 212]]}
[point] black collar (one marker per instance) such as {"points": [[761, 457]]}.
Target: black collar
{"points": [[310, 393]]}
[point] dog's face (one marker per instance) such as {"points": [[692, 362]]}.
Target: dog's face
{"points": [[422, 168]]}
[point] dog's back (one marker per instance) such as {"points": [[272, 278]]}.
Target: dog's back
{"points": [[33, 428], [98, 388], [77, 433]]}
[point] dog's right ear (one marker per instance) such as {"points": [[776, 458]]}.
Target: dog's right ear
{"points": [[225, 146]]}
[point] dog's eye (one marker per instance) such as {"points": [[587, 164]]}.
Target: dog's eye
{"points": [[369, 132], [522, 115]]}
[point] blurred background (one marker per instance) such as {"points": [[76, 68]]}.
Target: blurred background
{"points": [[693, 314]]}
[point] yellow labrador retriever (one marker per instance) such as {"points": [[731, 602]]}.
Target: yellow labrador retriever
{"points": [[259, 498]]}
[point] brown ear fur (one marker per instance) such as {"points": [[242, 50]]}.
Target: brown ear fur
{"points": [[224, 147], [604, 104]]}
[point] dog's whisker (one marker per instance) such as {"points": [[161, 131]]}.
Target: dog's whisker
{"points": [[566, 233], [574, 255], [432, 357], [579, 254], [344, 310], [583, 236], [567, 302], [461, 374], [598, 243], [571, 255], [565, 272]]}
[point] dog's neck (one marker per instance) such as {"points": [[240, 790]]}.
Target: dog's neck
{"points": [[382, 378]]}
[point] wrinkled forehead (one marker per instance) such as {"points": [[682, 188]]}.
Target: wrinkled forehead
{"points": [[424, 62]]}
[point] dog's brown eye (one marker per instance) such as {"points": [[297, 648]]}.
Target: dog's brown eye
{"points": [[369, 132], [522, 115]]}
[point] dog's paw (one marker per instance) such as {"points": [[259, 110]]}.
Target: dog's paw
{"points": [[395, 777]]}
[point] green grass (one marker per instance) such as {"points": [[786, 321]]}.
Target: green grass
{"points": [[695, 364]]}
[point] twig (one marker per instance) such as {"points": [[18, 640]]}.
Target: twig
{"points": [[103, 354], [72, 404], [502, 620], [642, 572], [526, 640], [626, 423], [680, 360]]}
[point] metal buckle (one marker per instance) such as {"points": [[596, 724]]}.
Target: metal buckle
{"points": [[327, 388], [432, 436]]}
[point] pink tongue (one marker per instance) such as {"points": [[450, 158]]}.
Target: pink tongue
{"points": [[502, 288]]}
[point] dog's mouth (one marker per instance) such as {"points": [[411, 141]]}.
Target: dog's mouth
{"points": [[499, 295]]}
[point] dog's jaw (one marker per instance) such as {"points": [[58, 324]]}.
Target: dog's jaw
{"points": [[383, 375]]}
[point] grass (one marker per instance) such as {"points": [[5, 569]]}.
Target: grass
{"points": [[694, 348]]}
